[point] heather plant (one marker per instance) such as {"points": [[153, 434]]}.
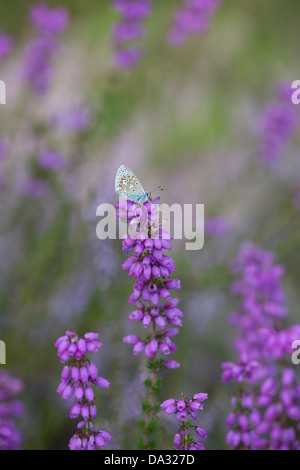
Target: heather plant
{"points": [[130, 30], [37, 68], [6, 44], [11, 408], [192, 17], [265, 408], [276, 126], [151, 293], [185, 409], [77, 378]]}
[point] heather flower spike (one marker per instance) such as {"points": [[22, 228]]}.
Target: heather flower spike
{"points": [[10, 409], [276, 126], [155, 308], [151, 291], [129, 31], [78, 376], [185, 411], [266, 406], [193, 16], [37, 67], [6, 44]]}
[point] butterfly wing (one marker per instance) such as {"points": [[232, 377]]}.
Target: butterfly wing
{"points": [[127, 184]]}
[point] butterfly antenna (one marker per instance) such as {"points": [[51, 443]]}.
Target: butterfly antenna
{"points": [[158, 188]]}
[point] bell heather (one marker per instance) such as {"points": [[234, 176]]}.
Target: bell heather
{"points": [[156, 309], [192, 17], [10, 408], [266, 405], [50, 159], [73, 120], [37, 68], [6, 43], [129, 29], [276, 126], [77, 378], [216, 226], [185, 409]]}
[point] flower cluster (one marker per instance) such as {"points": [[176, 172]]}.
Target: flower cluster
{"points": [[265, 416], [51, 160], [216, 226], [6, 43], [152, 270], [194, 16], [35, 188], [263, 300], [129, 29], [185, 409], [74, 120], [10, 408], [266, 406], [277, 125], [156, 309], [77, 378], [37, 68], [47, 161]]}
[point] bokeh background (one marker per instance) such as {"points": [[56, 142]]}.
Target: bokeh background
{"points": [[185, 118]]}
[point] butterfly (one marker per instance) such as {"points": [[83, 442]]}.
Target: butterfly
{"points": [[127, 185]]}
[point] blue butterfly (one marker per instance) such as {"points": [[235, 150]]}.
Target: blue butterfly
{"points": [[127, 185]]}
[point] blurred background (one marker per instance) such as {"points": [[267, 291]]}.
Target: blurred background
{"points": [[190, 117]]}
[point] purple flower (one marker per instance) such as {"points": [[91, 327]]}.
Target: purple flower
{"points": [[77, 378], [127, 58], [133, 9], [10, 409], [192, 17], [276, 126], [47, 20], [51, 160], [129, 30], [6, 43], [167, 403], [268, 391], [216, 226], [37, 67], [151, 291], [73, 120], [183, 410], [35, 188], [155, 307], [171, 364], [262, 299]]}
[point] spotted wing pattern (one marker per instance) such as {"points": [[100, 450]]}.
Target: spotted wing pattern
{"points": [[127, 185]]}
